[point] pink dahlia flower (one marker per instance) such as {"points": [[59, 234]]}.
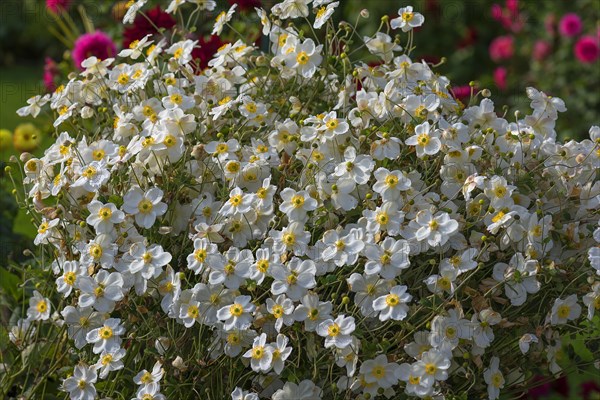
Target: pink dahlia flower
{"points": [[587, 50], [570, 25], [57, 6], [501, 48], [97, 44]]}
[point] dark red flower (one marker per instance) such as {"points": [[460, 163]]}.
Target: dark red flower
{"points": [[208, 47], [469, 39], [142, 26], [245, 5], [588, 388]]}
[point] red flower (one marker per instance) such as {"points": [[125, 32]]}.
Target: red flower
{"points": [[587, 50], [207, 49], [142, 26], [245, 5]]}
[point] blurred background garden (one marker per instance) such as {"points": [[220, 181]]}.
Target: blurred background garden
{"points": [[503, 46]]}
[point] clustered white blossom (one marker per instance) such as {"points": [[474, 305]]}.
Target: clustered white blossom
{"points": [[301, 211]]}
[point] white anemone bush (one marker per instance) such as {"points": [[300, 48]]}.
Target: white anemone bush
{"points": [[295, 223]]}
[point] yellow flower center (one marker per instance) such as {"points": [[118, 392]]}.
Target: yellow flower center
{"points": [[433, 225], [41, 306], [236, 310], [230, 268], [106, 359], [233, 338], [123, 79], [537, 231], [89, 172], [414, 380], [407, 16], [70, 278], [391, 180], [235, 200], [386, 258], [43, 227], [500, 191], [134, 44], [258, 352], [193, 312], [302, 58], [321, 11], [105, 332], [289, 239], [176, 98], [378, 372], [145, 206], [277, 311], [563, 311], [251, 107], [178, 53], [262, 265], [332, 124], [382, 218], [96, 251], [220, 16], [430, 368], [104, 213], [99, 291], [392, 300], [170, 141], [200, 255], [222, 148], [333, 330], [233, 167], [298, 201], [147, 378], [423, 139], [497, 380], [225, 100], [498, 217], [81, 384], [98, 154], [444, 283], [451, 332], [292, 278]]}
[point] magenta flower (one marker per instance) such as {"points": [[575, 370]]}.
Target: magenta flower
{"points": [[570, 25], [501, 48], [57, 6], [513, 6], [96, 44], [587, 50], [50, 73], [541, 50], [500, 74], [462, 93]]}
